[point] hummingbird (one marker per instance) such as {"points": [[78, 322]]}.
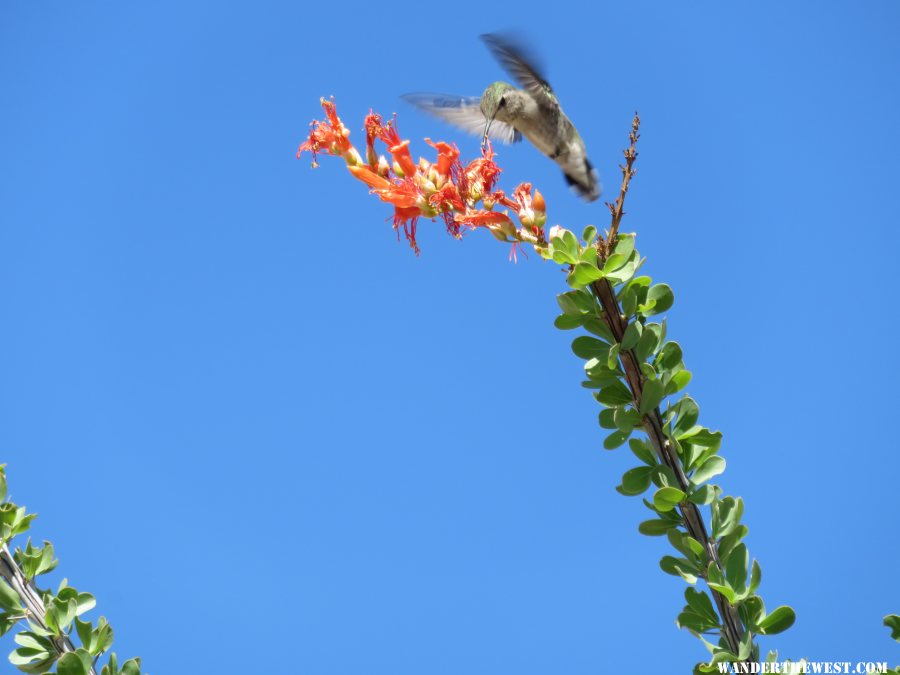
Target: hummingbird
{"points": [[507, 113]]}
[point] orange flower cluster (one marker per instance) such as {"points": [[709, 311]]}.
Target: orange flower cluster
{"points": [[463, 195]]}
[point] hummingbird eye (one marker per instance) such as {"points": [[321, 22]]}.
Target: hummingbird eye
{"points": [[502, 101]]}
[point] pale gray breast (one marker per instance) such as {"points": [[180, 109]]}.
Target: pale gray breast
{"points": [[541, 125]]}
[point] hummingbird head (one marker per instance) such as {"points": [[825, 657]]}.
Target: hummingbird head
{"points": [[494, 104]]}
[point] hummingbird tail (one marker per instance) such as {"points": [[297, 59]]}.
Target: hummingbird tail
{"points": [[586, 186]]}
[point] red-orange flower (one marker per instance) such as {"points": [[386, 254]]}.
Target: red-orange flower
{"points": [[446, 201], [483, 218], [329, 136], [448, 156], [373, 126], [426, 189], [398, 148], [369, 177], [479, 176]]}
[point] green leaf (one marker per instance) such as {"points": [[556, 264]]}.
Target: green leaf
{"points": [[678, 381], [710, 468], [694, 622], [614, 394], [85, 632], [632, 334], [659, 299], [725, 590], [686, 545], [131, 667], [736, 568], [663, 476], [642, 451], [688, 412], [649, 341], [702, 436], [588, 235], [624, 245], [635, 481], [626, 418], [652, 396], [892, 621], [700, 603], [667, 498], [567, 304], [606, 418], [727, 543], [612, 359], [562, 249], [704, 494], [35, 560], [679, 567], [73, 663], [626, 271], [9, 599], [751, 610], [745, 647], [589, 255], [583, 274], [726, 515], [755, 577], [568, 322], [31, 660], [598, 372], [669, 356], [615, 439], [588, 347], [656, 527], [614, 262], [597, 326], [779, 620]]}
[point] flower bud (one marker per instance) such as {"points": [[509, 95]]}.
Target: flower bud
{"points": [[556, 231], [540, 210], [383, 168], [527, 235]]}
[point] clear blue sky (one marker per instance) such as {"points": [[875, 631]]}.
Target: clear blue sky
{"points": [[269, 438]]}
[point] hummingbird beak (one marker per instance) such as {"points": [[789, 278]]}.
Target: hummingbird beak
{"points": [[487, 128]]}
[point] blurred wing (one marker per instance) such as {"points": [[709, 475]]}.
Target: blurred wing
{"points": [[463, 112], [523, 69]]}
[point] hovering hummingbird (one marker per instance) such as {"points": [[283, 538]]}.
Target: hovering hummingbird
{"points": [[506, 113]]}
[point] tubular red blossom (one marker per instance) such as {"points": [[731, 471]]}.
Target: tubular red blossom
{"points": [[401, 155], [499, 197], [373, 126], [370, 178], [446, 200], [482, 218], [522, 195], [480, 175], [447, 157], [398, 148], [404, 195], [445, 188], [329, 136]]}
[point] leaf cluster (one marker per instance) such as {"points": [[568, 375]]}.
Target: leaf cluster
{"points": [[722, 560], [53, 636]]}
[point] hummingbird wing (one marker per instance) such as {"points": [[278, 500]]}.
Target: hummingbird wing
{"points": [[463, 112], [520, 66]]}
